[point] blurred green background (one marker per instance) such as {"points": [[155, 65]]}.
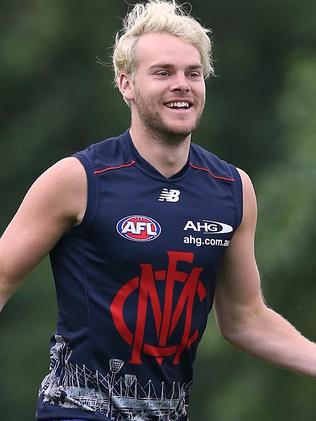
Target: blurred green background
{"points": [[260, 115]]}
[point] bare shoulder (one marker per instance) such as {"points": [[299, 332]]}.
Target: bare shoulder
{"points": [[246, 181], [54, 203], [63, 185], [69, 169], [249, 199]]}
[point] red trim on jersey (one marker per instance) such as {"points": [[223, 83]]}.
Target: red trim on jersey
{"points": [[217, 177], [116, 167]]}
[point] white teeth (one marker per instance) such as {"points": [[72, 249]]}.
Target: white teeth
{"points": [[179, 104]]}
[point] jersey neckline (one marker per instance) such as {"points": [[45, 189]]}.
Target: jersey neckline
{"points": [[145, 166]]}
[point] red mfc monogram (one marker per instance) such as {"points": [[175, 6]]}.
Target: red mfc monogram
{"points": [[166, 315]]}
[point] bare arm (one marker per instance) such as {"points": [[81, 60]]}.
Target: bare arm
{"points": [[242, 316], [54, 203]]}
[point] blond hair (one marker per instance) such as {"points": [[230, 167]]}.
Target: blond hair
{"points": [[159, 16]]}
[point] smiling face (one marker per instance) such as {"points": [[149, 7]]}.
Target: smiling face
{"points": [[167, 90]]}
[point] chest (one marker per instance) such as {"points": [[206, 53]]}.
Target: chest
{"points": [[140, 219]]}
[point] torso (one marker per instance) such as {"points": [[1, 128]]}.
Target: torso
{"points": [[135, 283]]}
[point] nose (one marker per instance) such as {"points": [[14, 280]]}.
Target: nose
{"points": [[180, 84]]}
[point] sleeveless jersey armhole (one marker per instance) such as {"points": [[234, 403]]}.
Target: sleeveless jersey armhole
{"points": [[91, 195], [238, 193]]}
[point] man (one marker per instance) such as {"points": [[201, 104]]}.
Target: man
{"points": [[144, 230]]}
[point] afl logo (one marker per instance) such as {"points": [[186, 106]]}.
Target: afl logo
{"points": [[138, 228]]}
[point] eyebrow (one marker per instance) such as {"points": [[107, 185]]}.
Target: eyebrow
{"points": [[170, 66]]}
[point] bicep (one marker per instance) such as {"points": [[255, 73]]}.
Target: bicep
{"points": [[238, 292]]}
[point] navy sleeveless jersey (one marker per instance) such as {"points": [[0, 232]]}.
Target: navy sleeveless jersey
{"points": [[135, 282]]}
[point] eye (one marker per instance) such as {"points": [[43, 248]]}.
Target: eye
{"points": [[195, 75], [163, 73]]}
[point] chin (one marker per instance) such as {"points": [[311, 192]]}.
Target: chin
{"points": [[176, 134], [170, 128], [181, 129]]}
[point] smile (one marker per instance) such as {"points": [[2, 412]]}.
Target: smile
{"points": [[179, 105]]}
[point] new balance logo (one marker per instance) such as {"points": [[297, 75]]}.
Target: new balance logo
{"points": [[169, 195]]}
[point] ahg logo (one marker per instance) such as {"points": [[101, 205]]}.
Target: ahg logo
{"points": [[166, 316], [208, 227], [138, 228]]}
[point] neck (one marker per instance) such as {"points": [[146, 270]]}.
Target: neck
{"points": [[167, 153]]}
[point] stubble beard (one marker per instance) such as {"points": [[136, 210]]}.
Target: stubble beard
{"points": [[151, 119]]}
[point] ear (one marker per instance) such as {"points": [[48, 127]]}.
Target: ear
{"points": [[126, 87]]}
